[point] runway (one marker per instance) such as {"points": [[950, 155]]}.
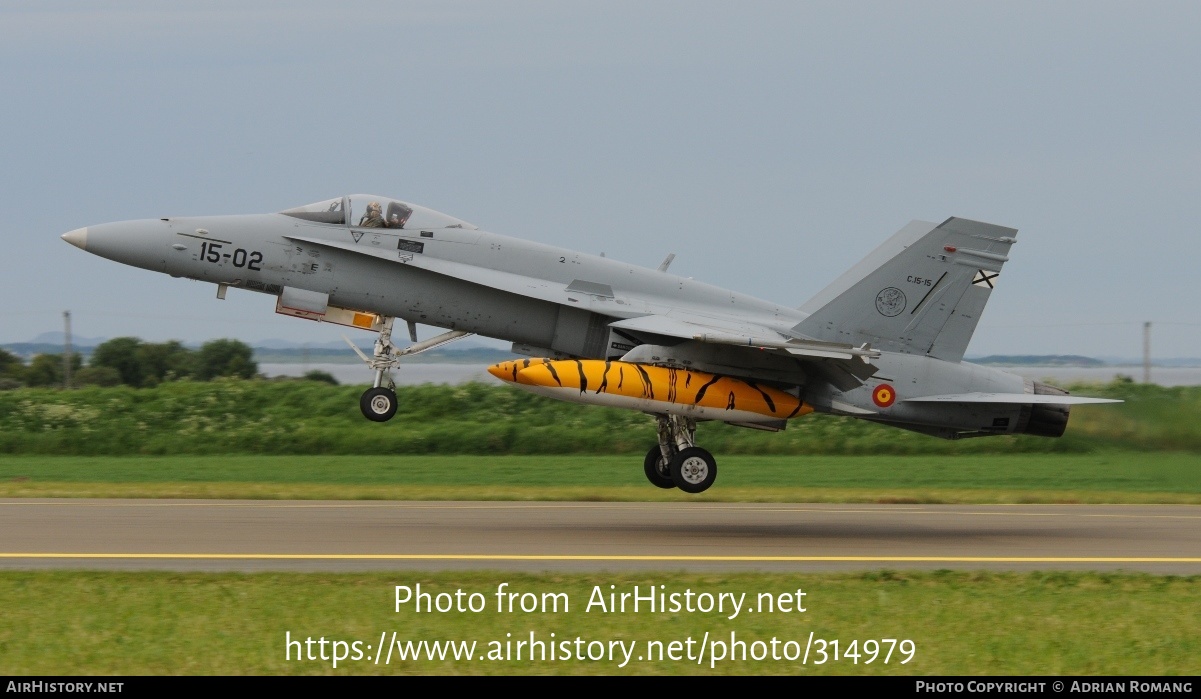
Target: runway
{"points": [[250, 535]]}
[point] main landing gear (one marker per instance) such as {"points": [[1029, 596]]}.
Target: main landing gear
{"points": [[676, 462], [379, 402]]}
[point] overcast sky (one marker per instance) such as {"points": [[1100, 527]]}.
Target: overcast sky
{"points": [[769, 145]]}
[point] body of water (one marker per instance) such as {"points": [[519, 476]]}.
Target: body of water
{"points": [[404, 375]]}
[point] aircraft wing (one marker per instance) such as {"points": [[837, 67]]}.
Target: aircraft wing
{"points": [[711, 331], [844, 366], [685, 327], [1019, 398]]}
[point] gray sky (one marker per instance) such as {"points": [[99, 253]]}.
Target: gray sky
{"points": [[770, 145]]}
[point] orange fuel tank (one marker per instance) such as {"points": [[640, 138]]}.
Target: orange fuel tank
{"points": [[652, 389]]}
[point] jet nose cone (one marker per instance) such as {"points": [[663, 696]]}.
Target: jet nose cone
{"points": [[78, 238]]}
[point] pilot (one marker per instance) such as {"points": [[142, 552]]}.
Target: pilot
{"points": [[374, 218]]}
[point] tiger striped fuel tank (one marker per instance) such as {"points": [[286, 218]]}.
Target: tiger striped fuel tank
{"points": [[652, 389]]}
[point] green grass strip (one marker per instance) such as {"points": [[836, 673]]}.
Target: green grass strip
{"points": [[1116, 477]]}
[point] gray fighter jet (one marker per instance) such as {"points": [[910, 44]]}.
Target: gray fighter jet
{"points": [[883, 342]]}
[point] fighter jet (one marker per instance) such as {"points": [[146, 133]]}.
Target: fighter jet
{"points": [[883, 342]]}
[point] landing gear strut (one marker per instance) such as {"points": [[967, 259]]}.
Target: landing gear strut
{"points": [[379, 402], [677, 461]]}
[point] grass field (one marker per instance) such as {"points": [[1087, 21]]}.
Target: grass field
{"points": [[1101, 477], [62, 623]]}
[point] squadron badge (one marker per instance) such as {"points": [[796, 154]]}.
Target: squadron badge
{"points": [[890, 302]]}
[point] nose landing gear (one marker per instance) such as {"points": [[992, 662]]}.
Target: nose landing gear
{"points": [[379, 402]]}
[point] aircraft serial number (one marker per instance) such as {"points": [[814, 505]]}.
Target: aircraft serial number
{"points": [[211, 252]]}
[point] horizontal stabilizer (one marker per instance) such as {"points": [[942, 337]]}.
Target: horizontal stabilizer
{"points": [[1018, 398]]}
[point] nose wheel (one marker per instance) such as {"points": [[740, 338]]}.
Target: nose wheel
{"points": [[378, 404]]}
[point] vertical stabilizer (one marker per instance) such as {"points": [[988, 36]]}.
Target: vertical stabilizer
{"points": [[921, 292]]}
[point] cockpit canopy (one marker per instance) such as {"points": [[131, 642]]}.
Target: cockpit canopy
{"points": [[370, 211]]}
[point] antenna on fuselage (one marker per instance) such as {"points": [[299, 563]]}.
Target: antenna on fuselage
{"points": [[667, 261]]}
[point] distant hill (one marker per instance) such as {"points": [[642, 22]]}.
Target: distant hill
{"points": [[26, 350], [56, 338]]}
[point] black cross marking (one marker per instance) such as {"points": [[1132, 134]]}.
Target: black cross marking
{"points": [[983, 277]]}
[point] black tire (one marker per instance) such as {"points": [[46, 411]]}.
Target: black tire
{"points": [[657, 472], [693, 470], [378, 404]]}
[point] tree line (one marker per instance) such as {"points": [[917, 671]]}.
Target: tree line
{"points": [[130, 361]]}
